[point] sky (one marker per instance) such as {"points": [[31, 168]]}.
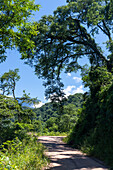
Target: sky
{"points": [[29, 81]]}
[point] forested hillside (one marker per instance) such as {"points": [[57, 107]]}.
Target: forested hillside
{"points": [[49, 110], [55, 118]]}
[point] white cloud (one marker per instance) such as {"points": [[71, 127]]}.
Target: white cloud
{"points": [[68, 91], [10, 96], [38, 105], [69, 74], [46, 100], [79, 90], [78, 79]]}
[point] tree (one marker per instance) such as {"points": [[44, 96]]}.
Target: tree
{"points": [[8, 109], [27, 99], [7, 86], [14, 117], [69, 35], [14, 22], [96, 79], [69, 118], [8, 82]]}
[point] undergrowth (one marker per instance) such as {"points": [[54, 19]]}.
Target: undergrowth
{"points": [[22, 155]]}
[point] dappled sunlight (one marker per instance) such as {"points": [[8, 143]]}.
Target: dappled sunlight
{"points": [[63, 157]]}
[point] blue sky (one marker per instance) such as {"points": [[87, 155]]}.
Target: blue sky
{"points": [[29, 80]]}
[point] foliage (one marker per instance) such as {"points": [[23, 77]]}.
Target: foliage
{"points": [[18, 151], [8, 82], [8, 109], [14, 120], [80, 22], [76, 100], [26, 100], [50, 52], [25, 154], [93, 131], [69, 118], [48, 110], [14, 21], [53, 133], [50, 119]]}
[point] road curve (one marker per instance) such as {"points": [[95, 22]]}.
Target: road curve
{"points": [[63, 157]]}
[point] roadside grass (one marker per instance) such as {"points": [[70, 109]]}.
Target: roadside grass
{"points": [[52, 133], [22, 155]]}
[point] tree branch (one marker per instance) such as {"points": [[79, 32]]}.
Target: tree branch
{"points": [[102, 29], [108, 32], [91, 45]]}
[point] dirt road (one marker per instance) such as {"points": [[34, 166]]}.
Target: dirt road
{"points": [[63, 157]]}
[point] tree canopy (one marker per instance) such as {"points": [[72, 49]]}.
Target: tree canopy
{"points": [[14, 22], [15, 120], [69, 35], [8, 82]]}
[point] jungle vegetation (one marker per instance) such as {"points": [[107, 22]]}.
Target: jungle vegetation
{"points": [[16, 146], [52, 118], [43, 46], [81, 22]]}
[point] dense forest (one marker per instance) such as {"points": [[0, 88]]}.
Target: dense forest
{"points": [[53, 45], [53, 117]]}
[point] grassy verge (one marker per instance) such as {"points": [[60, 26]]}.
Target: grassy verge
{"points": [[54, 134], [22, 155]]}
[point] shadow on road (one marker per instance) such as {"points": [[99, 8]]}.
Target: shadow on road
{"points": [[63, 157]]}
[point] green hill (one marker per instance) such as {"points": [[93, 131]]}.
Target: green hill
{"points": [[51, 119], [48, 110]]}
